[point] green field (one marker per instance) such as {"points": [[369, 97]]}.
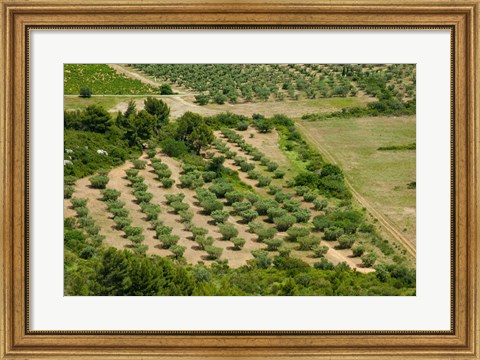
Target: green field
{"points": [[101, 79], [382, 177]]}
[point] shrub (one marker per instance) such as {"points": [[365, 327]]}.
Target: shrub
{"points": [[273, 213], [221, 188], [143, 196], [262, 206], [320, 223], [158, 166], [346, 241], [163, 230], [152, 211], [333, 233], [131, 172], [120, 212], [82, 211], [309, 196], [117, 204], [284, 222], [319, 251], [92, 229], [248, 215], [69, 180], [366, 228], [291, 205], [308, 242], [296, 232], [278, 174], [185, 215], [213, 252], [272, 166], [174, 197], [273, 244], [263, 181], [264, 233], [167, 183], [234, 196], [136, 239], [199, 231], [139, 164], [284, 251], [85, 92], [228, 231], [122, 222], [273, 189], [136, 179], [302, 215], [140, 249], [203, 242], [191, 181], [282, 196], [177, 250], [323, 264], [253, 175], [369, 259], [358, 250], [246, 167], [239, 207], [132, 230], [320, 204], [140, 186], [178, 206], [300, 190], [86, 221], [110, 194], [209, 176], [262, 261], [252, 197], [219, 216], [151, 153], [163, 173], [210, 205], [68, 191], [238, 242], [168, 240], [99, 181]]}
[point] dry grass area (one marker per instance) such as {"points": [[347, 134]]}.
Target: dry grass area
{"points": [[381, 177]]}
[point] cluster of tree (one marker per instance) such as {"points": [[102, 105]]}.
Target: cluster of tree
{"points": [[110, 272], [92, 129]]}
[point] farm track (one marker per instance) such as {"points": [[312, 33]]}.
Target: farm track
{"points": [[386, 223]]}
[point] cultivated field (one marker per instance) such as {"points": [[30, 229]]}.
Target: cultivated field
{"points": [[225, 179]]}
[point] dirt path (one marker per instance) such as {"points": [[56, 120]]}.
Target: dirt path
{"points": [[386, 223], [134, 75]]}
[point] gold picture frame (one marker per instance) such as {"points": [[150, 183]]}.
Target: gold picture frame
{"points": [[19, 17]]}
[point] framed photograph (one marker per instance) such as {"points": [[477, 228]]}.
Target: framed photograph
{"points": [[234, 179]]}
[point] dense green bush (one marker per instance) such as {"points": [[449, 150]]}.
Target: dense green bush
{"points": [[139, 164], [283, 223], [296, 232], [228, 231], [122, 222], [273, 244], [203, 241], [219, 216], [68, 191], [168, 240], [332, 233], [211, 205], [368, 259], [110, 194], [238, 242], [346, 241], [308, 242], [213, 252], [99, 181], [358, 250], [177, 251], [319, 251]]}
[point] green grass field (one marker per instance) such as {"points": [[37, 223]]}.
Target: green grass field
{"points": [[382, 177], [101, 79]]}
